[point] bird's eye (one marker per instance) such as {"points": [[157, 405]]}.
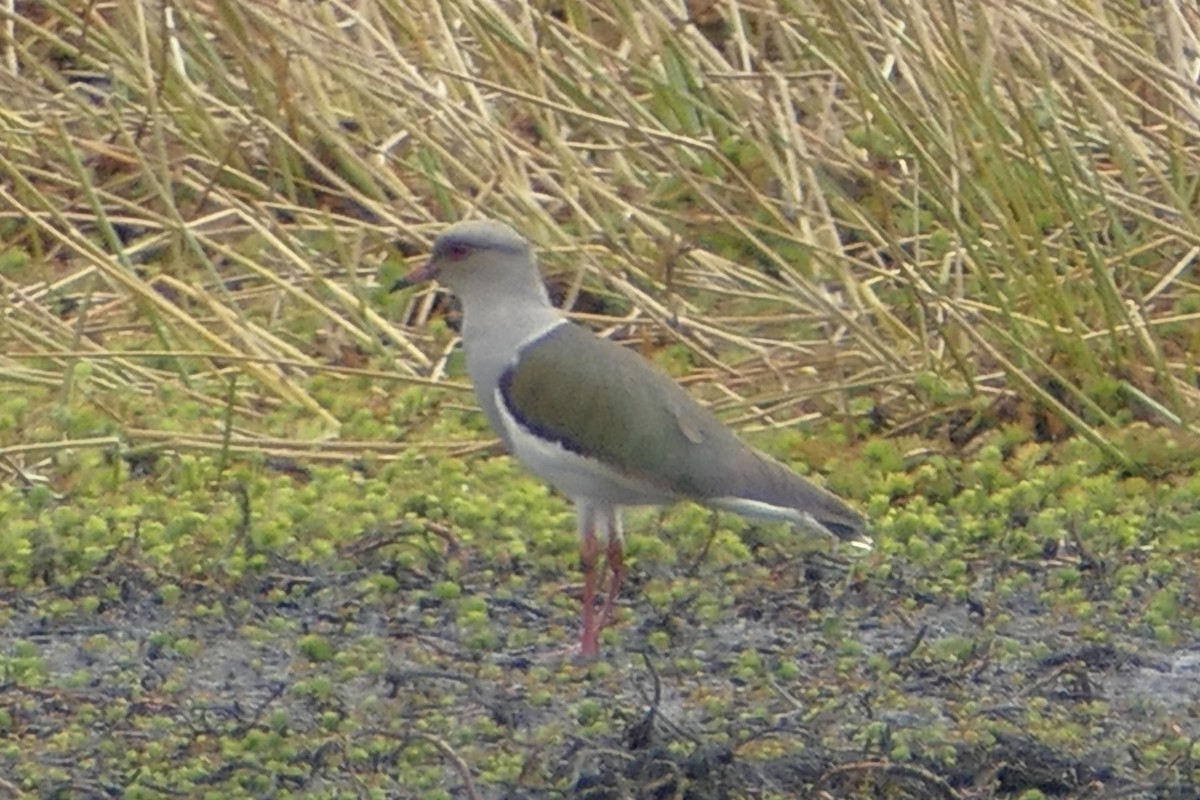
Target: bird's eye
{"points": [[456, 251]]}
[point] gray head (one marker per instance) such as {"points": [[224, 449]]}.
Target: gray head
{"points": [[478, 258]]}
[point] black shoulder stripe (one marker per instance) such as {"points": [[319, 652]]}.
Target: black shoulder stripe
{"points": [[510, 391]]}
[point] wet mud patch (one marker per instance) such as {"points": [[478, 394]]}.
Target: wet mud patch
{"points": [[779, 678]]}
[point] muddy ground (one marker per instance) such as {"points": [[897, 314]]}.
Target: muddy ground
{"points": [[786, 676]]}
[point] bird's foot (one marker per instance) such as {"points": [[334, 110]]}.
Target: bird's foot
{"points": [[589, 638], [589, 645]]}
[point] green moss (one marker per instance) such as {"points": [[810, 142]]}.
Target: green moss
{"points": [[316, 648]]}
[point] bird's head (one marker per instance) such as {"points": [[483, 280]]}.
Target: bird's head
{"points": [[477, 253]]}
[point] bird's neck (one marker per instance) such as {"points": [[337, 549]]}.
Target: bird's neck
{"points": [[489, 295], [508, 312], [493, 318]]}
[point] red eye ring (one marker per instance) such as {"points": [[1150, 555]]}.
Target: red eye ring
{"points": [[456, 251]]}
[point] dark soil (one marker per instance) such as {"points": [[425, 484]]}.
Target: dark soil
{"points": [[819, 682]]}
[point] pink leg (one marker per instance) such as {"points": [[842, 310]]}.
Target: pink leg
{"points": [[589, 552], [615, 556]]}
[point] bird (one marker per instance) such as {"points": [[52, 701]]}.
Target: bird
{"points": [[597, 421]]}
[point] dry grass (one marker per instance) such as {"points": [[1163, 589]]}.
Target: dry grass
{"points": [[949, 213]]}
